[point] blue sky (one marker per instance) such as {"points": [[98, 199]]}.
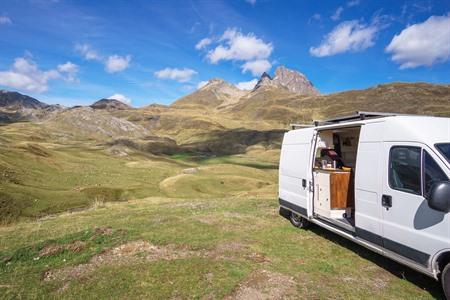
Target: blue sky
{"points": [[76, 52]]}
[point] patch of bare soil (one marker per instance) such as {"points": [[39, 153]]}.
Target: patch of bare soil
{"points": [[265, 285], [136, 252], [103, 231], [233, 251], [51, 250], [126, 254]]}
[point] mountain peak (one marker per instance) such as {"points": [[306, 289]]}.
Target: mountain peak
{"points": [[109, 104], [216, 93], [215, 83], [264, 80], [292, 80], [15, 100]]}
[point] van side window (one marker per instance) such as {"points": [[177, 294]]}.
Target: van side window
{"points": [[404, 169], [432, 173]]}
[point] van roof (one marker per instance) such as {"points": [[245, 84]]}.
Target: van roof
{"points": [[357, 116], [360, 115], [413, 128]]}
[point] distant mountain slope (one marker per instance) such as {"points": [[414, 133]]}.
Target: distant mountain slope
{"points": [[414, 98], [15, 100], [85, 122], [216, 94], [109, 104]]}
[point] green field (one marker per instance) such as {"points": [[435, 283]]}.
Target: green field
{"points": [[84, 220], [193, 248]]}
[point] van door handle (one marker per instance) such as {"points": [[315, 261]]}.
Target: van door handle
{"points": [[386, 201], [304, 183]]}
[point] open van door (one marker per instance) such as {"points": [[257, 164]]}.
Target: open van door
{"points": [[295, 173]]}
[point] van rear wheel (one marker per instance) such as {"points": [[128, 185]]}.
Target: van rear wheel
{"points": [[298, 221], [445, 279]]}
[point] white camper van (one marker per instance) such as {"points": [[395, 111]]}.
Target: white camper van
{"points": [[380, 180]]}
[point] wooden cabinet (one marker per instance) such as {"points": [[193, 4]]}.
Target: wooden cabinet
{"points": [[341, 190], [333, 193]]}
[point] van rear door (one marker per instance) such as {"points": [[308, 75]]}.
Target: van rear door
{"points": [[295, 172]]}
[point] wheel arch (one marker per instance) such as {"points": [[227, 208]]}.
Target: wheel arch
{"points": [[441, 259]]}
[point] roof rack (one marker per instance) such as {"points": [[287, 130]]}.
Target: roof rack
{"points": [[359, 115], [299, 126]]}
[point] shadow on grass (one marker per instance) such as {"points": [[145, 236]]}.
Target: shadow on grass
{"points": [[224, 159], [424, 282]]}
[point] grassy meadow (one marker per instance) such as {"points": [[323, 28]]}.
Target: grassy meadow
{"points": [[84, 220]]}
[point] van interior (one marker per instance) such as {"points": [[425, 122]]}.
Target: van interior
{"points": [[333, 175]]}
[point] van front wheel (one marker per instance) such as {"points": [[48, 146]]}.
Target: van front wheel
{"points": [[298, 221], [445, 279]]}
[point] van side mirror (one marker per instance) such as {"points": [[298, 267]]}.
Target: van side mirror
{"points": [[440, 196]]}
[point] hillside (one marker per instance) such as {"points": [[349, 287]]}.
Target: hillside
{"points": [[279, 107]]}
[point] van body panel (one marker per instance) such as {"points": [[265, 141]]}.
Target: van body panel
{"points": [[368, 184], [426, 130], [295, 173], [410, 227]]}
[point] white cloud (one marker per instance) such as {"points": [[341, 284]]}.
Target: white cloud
{"points": [[237, 46], [116, 63], [180, 75], [337, 14], [120, 98], [203, 43], [70, 69], [252, 2], [25, 75], [352, 3], [201, 84], [247, 85], [113, 63], [347, 36], [422, 44], [5, 20], [87, 52], [256, 67]]}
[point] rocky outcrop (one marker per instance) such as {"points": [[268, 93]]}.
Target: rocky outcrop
{"points": [[291, 80], [110, 104]]}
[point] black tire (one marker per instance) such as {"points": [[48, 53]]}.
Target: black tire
{"points": [[298, 221], [445, 280]]}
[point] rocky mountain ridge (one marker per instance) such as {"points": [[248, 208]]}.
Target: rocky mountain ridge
{"points": [[15, 100], [293, 81], [110, 104]]}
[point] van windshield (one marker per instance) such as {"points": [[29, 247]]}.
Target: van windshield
{"points": [[444, 149]]}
